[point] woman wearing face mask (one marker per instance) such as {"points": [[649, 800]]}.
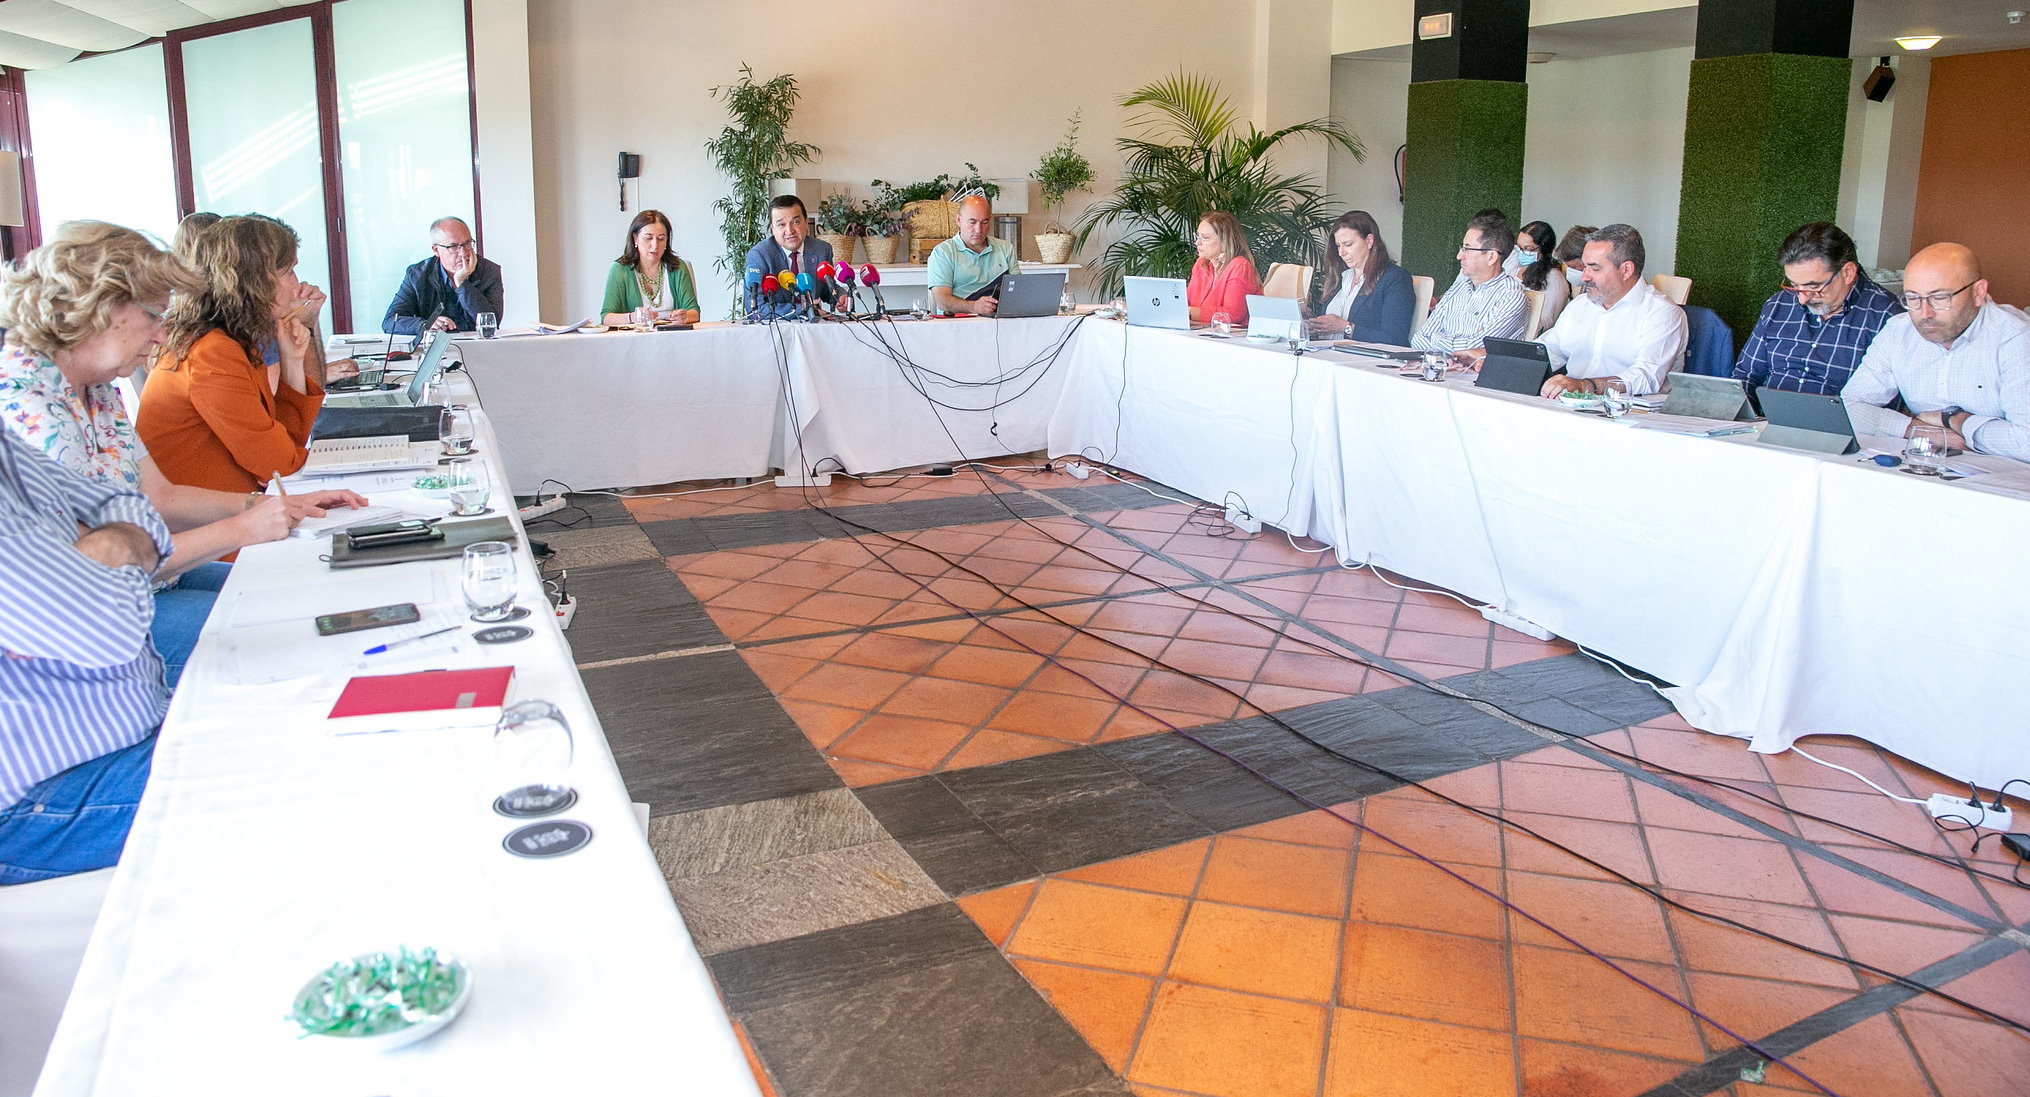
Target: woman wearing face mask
{"points": [[1374, 297], [1570, 247], [1541, 272]]}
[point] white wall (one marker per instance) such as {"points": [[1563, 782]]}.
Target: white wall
{"points": [[891, 90], [1878, 176], [1607, 144], [507, 180], [1373, 99]]}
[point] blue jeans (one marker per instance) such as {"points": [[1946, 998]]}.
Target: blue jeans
{"points": [[180, 613], [76, 821]]}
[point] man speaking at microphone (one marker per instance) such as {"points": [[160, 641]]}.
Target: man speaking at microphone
{"points": [[965, 271], [789, 247]]}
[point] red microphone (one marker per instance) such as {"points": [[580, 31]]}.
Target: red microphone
{"points": [[824, 270], [769, 285]]}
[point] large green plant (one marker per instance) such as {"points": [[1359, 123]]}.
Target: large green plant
{"points": [[752, 150], [1191, 157]]}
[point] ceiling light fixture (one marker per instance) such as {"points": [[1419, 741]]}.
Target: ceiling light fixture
{"points": [[1916, 42]]}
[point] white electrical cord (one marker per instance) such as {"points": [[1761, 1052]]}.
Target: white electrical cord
{"points": [[1474, 606], [1795, 749]]}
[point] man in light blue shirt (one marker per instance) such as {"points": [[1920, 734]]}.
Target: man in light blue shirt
{"points": [[965, 271]]}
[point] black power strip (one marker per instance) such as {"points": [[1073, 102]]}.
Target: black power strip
{"points": [[2018, 844]]}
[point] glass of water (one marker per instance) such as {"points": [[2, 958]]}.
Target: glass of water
{"points": [[454, 429], [488, 325], [644, 319], [919, 311], [532, 751], [1614, 398], [487, 580], [1065, 307], [469, 485], [1924, 452], [1222, 324]]}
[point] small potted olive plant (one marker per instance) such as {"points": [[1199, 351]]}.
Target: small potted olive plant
{"points": [[1062, 171]]}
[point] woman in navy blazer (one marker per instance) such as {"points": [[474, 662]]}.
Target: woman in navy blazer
{"points": [[1373, 297]]}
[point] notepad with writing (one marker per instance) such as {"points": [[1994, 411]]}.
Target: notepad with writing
{"points": [[425, 699]]}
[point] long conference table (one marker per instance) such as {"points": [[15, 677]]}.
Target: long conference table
{"points": [[267, 847], [1785, 593]]}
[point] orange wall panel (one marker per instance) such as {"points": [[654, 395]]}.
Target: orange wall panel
{"points": [[1973, 183]]}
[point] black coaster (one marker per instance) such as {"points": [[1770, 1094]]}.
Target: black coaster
{"points": [[480, 513], [516, 614], [551, 839], [503, 634], [534, 802]]}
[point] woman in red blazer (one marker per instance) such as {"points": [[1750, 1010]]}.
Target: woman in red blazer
{"points": [[1225, 272]]}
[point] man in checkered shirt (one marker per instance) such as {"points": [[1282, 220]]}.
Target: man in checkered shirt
{"points": [[1813, 331]]}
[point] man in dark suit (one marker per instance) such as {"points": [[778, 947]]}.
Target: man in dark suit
{"points": [[455, 285], [789, 247]]}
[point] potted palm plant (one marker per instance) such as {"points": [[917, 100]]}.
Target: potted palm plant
{"points": [[1062, 171], [1191, 157]]}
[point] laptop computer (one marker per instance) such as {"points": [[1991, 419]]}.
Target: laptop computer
{"points": [[1704, 397], [1157, 303], [1035, 294], [1806, 420], [411, 394], [1274, 317], [1514, 365]]}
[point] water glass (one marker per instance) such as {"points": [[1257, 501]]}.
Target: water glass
{"points": [[488, 325], [1432, 368], [1924, 452], [1064, 305], [919, 312], [469, 484], [1614, 398], [1222, 324], [644, 319], [531, 754], [487, 580], [454, 429]]}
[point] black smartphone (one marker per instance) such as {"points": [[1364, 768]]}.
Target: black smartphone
{"points": [[393, 533], [407, 525], [403, 613]]}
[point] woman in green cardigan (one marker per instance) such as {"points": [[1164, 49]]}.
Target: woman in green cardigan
{"points": [[647, 272]]}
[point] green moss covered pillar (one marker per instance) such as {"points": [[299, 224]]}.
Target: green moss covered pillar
{"points": [[1468, 109], [1765, 124]]}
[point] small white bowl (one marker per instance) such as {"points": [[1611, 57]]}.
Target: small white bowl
{"points": [[419, 1029]]}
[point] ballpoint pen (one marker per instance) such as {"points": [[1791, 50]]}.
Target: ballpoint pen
{"points": [[378, 648]]}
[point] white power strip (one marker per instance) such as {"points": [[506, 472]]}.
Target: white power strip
{"points": [[566, 608], [1517, 624], [1973, 813], [542, 506], [1079, 470], [1238, 517]]}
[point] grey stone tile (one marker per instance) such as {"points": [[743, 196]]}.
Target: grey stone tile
{"points": [[1556, 714], [973, 1028], [678, 537], [701, 731], [1112, 496], [637, 608], [952, 844], [596, 546], [794, 896], [1072, 808], [738, 531], [699, 843], [1219, 793], [780, 972]]}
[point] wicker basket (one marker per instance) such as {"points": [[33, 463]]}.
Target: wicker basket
{"points": [[932, 219], [881, 249], [1054, 247], [842, 246]]}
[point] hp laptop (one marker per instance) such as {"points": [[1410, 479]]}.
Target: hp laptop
{"points": [[410, 396], [1157, 303], [1274, 317], [1806, 420], [1513, 365], [1030, 294], [1703, 397]]}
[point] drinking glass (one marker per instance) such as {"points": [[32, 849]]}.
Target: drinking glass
{"points": [[1065, 306], [1614, 398], [531, 754], [1222, 324], [470, 485], [1433, 365], [1924, 451], [644, 319], [488, 580], [488, 325], [919, 311], [454, 429]]}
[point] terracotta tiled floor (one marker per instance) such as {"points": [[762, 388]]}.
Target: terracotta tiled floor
{"points": [[1402, 943]]}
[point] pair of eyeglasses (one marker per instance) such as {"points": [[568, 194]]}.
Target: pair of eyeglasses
{"points": [[461, 245], [1939, 301], [1469, 247], [155, 316]]}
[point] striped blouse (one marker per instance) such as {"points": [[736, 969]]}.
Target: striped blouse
{"points": [[79, 677]]}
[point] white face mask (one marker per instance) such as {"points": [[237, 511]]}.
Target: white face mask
{"points": [[1573, 275], [1525, 258]]}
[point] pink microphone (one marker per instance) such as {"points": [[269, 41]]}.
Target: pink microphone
{"points": [[870, 276]]}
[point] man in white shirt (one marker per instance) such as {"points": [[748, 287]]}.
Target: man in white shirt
{"points": [[1958, 360], [1621, 329], [1484, 302]]}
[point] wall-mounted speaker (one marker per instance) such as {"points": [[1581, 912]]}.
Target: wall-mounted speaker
{"points": [[1876, 86]]}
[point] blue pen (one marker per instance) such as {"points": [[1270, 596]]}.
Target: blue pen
{"points": [[378, 648]]}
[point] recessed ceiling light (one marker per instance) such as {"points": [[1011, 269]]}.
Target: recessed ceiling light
{"points": [[1920, 41]]}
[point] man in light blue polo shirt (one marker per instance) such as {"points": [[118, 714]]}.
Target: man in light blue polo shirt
{"points": [[965, 271]]}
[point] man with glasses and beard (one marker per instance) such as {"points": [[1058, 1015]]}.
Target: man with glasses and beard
{"points": [[1958, 360], [1813, 331]]}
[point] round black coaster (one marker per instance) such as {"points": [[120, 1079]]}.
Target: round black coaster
{"points": [[480, 513], [517, 614], [534, 801], [552, 839], [503, 634]]}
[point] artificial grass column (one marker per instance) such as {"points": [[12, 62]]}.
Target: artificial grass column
{"points": [[1763, 139], [1465, 154]]}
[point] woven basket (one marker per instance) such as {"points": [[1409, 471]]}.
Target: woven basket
{"points": [[1054, 247], [920, 246], [932, 219], [842, 246], [881, 249]]}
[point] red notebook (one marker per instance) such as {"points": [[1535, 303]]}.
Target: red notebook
{"points": [[430, 698]]}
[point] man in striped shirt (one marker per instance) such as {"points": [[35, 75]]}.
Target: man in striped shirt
{"points": [[1484, 301], [1813, 331], [81, 688]]}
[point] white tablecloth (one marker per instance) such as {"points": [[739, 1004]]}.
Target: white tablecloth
{"points": [[267, 848]]}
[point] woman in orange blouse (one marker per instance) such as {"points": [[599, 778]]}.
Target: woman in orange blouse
{"points": [[213, 413], [1225, 272]]}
